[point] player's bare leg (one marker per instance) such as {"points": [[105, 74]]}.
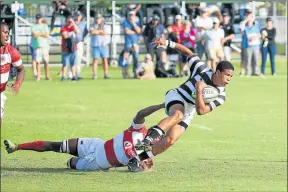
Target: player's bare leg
{"points": [[170, 139], [159, 147], [176, 112], [65, 146]]}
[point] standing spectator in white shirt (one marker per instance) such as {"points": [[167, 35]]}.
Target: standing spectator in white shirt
{"points": [[99, 46], [81, 23], [213, 44], [202, 24]]}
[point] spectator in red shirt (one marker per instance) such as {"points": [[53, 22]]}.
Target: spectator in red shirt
{"points": [[187, 38], [68, 47], [177, 27]]}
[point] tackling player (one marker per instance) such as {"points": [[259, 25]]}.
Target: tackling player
{"points": [[179, 104], [96, 154], [8, 55]]}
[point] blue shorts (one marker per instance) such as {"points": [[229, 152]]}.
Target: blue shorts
{"points": [[68, 59], [33, 53], [100, 52]]}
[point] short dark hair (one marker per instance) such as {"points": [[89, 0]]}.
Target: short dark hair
{"points": [[224, 65], [4, 24]]}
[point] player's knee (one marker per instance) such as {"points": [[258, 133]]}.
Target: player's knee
{"points": [[170, 141], [72, 162], [178, 115]]}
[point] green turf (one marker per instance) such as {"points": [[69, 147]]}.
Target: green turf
{"points": [[239, 147]]}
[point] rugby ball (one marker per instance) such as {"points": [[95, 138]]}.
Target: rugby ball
{"points": [[210, 93]]}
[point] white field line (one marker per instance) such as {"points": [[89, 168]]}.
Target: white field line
{"points": [[75, 106], [202, 127]]}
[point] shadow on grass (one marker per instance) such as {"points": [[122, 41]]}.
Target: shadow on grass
{"points": [[41, 170], [56, 170]]}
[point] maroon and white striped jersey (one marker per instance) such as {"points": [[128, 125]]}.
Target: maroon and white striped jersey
{"points": [[120, 149], [8, 55]]}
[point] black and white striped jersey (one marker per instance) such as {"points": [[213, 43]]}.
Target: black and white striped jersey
{"points": [[200, 71]]}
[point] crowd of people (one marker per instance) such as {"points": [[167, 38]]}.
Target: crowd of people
{"points": [[207, 31]]}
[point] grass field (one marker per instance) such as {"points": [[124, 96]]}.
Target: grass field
{"points": [[239, 147]]}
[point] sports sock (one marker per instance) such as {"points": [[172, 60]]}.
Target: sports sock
{"points": [[154, 133], [40, 146]]}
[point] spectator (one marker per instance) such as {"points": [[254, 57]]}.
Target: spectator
{"points": [[177, 27], [132, 30], [213, 10], [170, 9], [243, 8], [213, 44], [229, 9], [138, 12], [152, 9], [193, 10], [154, 30], [229, 35], [250, 43], [188, 38], [174, 30], [99, 46], [81, 23], [69, 47], [60, 8], [124, 64], [202, 23], [268, 46], [145, 70], [40, 47]]}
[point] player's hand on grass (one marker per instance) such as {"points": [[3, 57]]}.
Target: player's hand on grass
{"points": [[14, 88]]}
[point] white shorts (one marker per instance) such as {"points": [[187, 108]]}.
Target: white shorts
{"points": [[173, 97], [3, 100], [87, 148]]}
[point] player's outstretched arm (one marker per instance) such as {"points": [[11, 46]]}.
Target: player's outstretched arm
{"points": [[178, 47], [140, 116]]}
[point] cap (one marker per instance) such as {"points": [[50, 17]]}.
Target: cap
{"points": [[215, 20], [98, 16], [131, 12], [225, 14], [178, 17], [156, 17], [38, 16], [148, 56], [268, 19]]}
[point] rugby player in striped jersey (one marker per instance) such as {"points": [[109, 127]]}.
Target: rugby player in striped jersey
{"points": [[97, 154], [179, 104]]}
